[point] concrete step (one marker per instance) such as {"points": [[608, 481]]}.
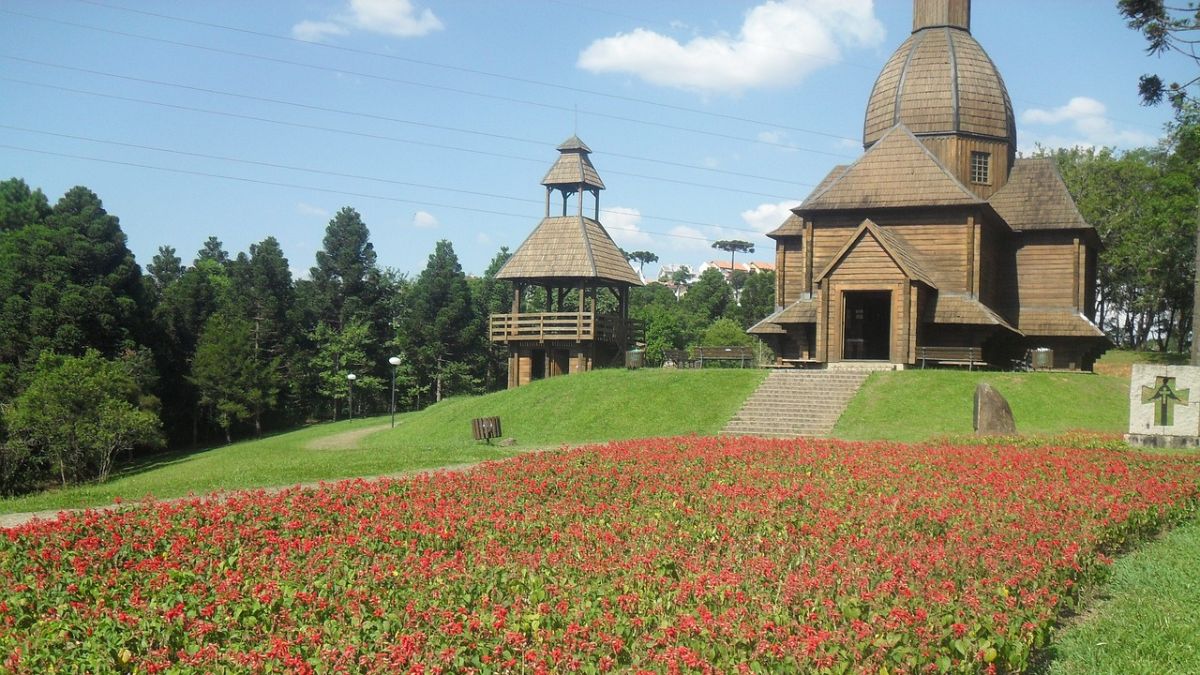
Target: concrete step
{"points": [[796, 403]]}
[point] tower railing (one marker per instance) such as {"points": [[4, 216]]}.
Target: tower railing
{"points": [[574, 326]]}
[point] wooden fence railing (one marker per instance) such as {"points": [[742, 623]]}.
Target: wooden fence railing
{"points": [[543, 326]]}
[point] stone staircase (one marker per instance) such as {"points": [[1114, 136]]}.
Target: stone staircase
{"points": [[796, 403]]}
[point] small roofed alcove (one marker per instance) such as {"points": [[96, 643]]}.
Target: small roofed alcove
{"points": [[570, 309]]}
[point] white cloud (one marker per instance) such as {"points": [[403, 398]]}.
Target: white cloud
{"points": [[425, 219], [317, 31], [398, 18], [766, 217], [482, 238], [778, 44], [306, 209], [622, 222], [1082, 122]]}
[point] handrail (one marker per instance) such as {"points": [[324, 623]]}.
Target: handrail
{"points": [[541, 326]]}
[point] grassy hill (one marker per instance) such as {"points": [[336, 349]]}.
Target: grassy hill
{"points": [[912, 405], [597, 406]]}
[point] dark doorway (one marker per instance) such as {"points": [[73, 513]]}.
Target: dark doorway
{"points": [[868, 328], [560, 362], [537, 365]]}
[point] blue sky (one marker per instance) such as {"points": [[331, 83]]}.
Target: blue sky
{"points": [[436, 119]]}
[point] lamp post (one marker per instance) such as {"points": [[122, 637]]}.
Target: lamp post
{"points": [[351, 377], [395, 361]]}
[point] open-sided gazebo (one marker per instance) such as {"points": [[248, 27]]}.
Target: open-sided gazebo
{"points": [[581, 319]]}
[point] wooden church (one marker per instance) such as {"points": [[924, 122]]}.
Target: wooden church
{"points": [[570, 309], [938, 241]]}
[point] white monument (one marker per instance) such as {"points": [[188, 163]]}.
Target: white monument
{"points": [[1164, 406]]}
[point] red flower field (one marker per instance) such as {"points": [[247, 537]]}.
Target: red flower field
{"points": [[663, 555]]}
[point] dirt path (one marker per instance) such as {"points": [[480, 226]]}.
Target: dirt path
{"points": [[344, 440]]}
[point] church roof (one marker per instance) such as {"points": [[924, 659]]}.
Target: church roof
{"points": [[569, 247], [803, 310], [1056, 322], [792, 227], [573, 167], [908, 260], [940, 81], [957, 308], [1036, 198], [897, 171]]}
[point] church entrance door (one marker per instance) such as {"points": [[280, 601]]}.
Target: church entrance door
{"points": [[868, 326]]}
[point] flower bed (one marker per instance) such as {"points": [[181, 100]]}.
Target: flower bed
{"points": [[672, 555]]}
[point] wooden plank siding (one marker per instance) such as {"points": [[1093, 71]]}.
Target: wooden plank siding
{"points": [[1050, 271], [949, 248], [790, 273], [868, 267], [955, 153]]}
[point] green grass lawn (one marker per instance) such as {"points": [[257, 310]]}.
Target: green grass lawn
{"points": [[913, 405], [1147, 618], [597, 406]]}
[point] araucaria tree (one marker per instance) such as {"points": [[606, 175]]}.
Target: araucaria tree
{"points": [[733, 247]]}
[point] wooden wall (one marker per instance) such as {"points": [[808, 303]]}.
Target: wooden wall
{"points": [[949, 246], [1048, 270], [955, 153], [867, 268], [789, 266]]}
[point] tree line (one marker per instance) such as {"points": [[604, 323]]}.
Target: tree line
{"points": [[100, 361]]}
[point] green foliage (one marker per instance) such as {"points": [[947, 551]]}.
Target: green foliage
{"points": [[341, 353], [67, 282], [726, 333], [494, 296], [20, 206], [212, 251], [345, 279], [641, 258], [708, 298], [1166, 29], [236, 379], [77, 413], [166, 268], [1142, 204], [442, 326], [756, 300]]}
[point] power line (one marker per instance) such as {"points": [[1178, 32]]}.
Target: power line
{"points": [[436, 87], [485, 73], [363, 134], [373, 116], [524, 80], [336, 174]]}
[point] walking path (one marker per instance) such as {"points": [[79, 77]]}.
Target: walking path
{"points": [[334, 442]]}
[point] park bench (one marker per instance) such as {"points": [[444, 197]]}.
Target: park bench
{"points": [[677, 357], [956, 356], [743, 355]]}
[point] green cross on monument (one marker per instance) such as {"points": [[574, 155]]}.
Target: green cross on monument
{"points": [[1164, 396]]}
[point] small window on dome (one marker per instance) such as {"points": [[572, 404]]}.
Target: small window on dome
{"points": [[981, 164]]}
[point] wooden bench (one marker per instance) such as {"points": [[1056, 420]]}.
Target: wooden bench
{"points": [[745, 355], [958, 356], [677, 357]]}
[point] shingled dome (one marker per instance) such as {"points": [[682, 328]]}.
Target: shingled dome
{"points": [[940, 81]]}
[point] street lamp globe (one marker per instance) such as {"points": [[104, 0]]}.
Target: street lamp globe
{"points": [[395, 360]]}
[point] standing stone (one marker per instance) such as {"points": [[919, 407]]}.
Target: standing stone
{"points": [[992, 417]]}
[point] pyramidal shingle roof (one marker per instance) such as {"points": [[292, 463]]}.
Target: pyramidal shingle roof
{"points": [[573, 167], [897, 171], [1036, 198], [569, 247]]}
